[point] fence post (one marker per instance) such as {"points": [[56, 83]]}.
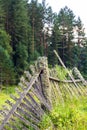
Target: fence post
{"points": [[78, 74], [45, 83]]}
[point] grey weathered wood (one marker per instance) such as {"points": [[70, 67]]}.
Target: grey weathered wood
{"points": [[19, 101], [28, 116], [25, 121], [16, 123], [28, 75], [59, 92], [82, 87], [30, 110], [9, 103], [13, 97], [79, 75], [32, 69], [23, 87], [35, 108], [38, 86], [65, 68], [21, 118], [44, 79], [64, 81], [3, 113], [17, 91], [70, 75], [42, 100], [31, 95], [74, 91], [39, 92]]}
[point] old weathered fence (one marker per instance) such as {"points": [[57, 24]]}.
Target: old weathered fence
{"points": [[38, 91], [32, 101]]}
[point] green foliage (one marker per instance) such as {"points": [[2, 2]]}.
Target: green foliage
{"points": [[21, 61], [83, 61], [2, 15], [36, 16], [5, 41], [6, 67], [62, 33], [5, 94], [45, 123], [63, 40], [71, 116], [61, 72]]}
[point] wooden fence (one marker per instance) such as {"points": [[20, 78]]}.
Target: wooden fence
{"points": [[37, 92]]}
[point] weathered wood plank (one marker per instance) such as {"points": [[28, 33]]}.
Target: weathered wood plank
{"points": [[27, 115], [33, 107], [9, 103], [70, 75], [19, 101], [26, 121], [30, 111], [59, 91], [23, 87], [28, 75], [42, 99], [30, 96], [13, 97], [64, 81]]}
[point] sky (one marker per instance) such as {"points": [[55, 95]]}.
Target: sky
{"points": [[79, 8]]}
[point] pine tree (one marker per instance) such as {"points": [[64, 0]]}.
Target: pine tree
{"points": [[64, 23], [20, 37], [40, 16], [80, 32], [5, 41], [80, 42], [6, 64], [36, 20], [6, 67], [2, 15], [83, 61], [16, 24]]}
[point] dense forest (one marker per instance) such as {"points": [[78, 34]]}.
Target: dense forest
{"points": [[32, 29]]}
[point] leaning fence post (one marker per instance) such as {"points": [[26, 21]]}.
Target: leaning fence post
{"points": [[45, 83]]}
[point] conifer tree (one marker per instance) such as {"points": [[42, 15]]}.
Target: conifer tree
{"points": [[2, 15], [16, 24], [64, 23], [20, 37], [36, 15]]}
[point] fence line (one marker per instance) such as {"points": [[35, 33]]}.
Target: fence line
{"points": [[37, 93]]}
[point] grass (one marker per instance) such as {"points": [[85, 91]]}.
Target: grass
{"points": [[71, 116], [5, 94]]}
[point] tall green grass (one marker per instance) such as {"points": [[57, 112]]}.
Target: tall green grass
{"points": [[5, 94], [71, 116]]}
